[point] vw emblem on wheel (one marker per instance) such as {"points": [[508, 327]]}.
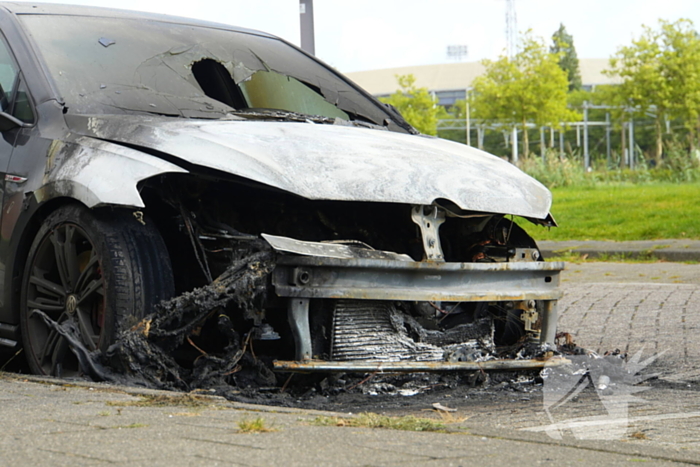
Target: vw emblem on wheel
{"points": [[71, 304]]}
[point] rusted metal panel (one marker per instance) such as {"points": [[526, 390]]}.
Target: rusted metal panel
{"points": [[314, 277], [399, 367], [549, 323], [329, 250], [299, 322]]}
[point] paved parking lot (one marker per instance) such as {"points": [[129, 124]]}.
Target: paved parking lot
{"points": [[653, 307], [654, 318]]}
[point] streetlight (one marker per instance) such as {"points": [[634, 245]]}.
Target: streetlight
{"points": [[306, 20]]}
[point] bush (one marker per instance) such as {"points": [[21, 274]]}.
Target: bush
{"points": [[678, 167], [555, 171]]}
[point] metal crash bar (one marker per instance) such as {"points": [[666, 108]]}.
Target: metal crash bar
{"points": [[373, 279], [301, 278]]}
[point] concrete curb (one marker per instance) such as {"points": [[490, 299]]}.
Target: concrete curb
{"points": [[664, 250]]}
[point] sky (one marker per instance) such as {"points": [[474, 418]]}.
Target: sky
{"points": [[357, 35]]}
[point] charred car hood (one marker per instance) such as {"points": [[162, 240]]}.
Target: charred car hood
{"points": [[334, 162]]}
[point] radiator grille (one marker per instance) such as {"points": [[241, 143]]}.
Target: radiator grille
{"points": [[369, 331]]}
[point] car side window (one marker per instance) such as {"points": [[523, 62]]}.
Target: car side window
{"points": [[22, 108], [8, 78], [14, 98]]}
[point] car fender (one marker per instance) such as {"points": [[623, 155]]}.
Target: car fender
{"points": [[98, 173], [90, 171]]}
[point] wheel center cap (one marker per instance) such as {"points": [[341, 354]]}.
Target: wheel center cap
{"points": [[71, 304]]}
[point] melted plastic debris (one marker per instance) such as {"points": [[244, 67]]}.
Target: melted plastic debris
{"points": [[143, 355]]}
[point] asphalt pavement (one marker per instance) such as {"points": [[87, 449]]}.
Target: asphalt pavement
{"points": [[649, 307], [53, 423]]}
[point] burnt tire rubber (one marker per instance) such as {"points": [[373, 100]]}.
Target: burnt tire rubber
{"points": [[104, 269]]}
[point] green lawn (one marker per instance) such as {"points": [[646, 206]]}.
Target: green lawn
{"points": [[624, 212]]}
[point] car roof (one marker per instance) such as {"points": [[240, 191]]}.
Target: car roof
{"points": [[79, 10]]}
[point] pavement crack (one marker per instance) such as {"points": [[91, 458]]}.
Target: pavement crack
{"points": [[394, 451], [75, 454], [216, 459], [225, 443]]}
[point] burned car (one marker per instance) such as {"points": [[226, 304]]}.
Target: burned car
{"points": [[143, 155]]}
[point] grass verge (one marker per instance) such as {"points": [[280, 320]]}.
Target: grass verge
{"points": [[623, 213]]}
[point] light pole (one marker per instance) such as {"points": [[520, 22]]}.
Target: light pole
{"points": [[306, 21], [469, 125]]}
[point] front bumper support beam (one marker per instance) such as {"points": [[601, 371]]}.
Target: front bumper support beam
{"points": [[374, 279], [307, 277]]}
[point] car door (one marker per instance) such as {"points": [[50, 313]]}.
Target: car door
{"points": [[9, 83], [17, 115]]}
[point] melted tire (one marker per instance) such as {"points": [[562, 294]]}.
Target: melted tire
{"points": [[102, 269]]}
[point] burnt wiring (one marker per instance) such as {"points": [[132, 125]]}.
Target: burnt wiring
{"points": [[449, 312], [198, 248], [510, 228], [144, 354]]}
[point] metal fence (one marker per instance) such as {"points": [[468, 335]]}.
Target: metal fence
{"points": [[555, 139]]}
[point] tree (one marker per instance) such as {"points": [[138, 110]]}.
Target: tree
{"points": [[416, 105], [563, 46], [681, 61], [529, 88], [661, 72]]}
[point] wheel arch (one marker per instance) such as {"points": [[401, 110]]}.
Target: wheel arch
{"points": [[96, 174]]}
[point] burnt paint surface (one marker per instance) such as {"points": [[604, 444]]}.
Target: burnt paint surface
{"points": [[336, 162]]}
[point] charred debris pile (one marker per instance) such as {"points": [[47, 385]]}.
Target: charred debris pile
{"points": [[228, 325], [191, 342], [157, 352]]}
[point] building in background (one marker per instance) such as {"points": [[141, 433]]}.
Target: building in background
{"points": [[449, 81]]}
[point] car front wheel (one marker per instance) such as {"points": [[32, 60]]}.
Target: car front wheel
{"points": [[102, 269]]}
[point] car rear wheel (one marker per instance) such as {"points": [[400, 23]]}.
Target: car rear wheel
{"points": [[104, 270]]}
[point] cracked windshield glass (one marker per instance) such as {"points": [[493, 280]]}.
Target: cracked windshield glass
{"points": [[107, 65]]}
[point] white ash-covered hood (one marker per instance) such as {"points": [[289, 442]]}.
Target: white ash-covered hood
{"points": [[335, 162]]}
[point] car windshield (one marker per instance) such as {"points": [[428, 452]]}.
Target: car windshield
{"points": [[119, 65]]}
